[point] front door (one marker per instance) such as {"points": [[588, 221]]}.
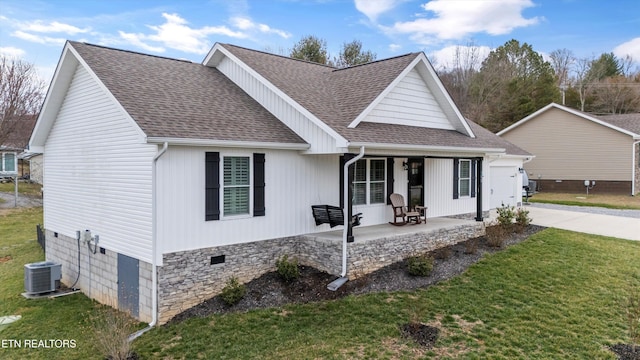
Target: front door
{"points": [[416, 182]]}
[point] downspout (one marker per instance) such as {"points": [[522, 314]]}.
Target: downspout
{"points": [[633, 168], [334, 285], [154, 246]]}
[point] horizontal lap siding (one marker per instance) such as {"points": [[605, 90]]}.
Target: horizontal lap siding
{"points": [[293, 183], [97, 172], [410, 103], [320, 141], [567, 147]]}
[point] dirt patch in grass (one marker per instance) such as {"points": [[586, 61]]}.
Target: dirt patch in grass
{"points": [[5, 259], [626, 351], [269, 290], [423, 334]]}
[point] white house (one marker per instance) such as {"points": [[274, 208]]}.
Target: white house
{"points": [[186, 174]]}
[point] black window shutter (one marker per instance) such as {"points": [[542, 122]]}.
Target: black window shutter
{"points": [[212, 186], [473, 178], [389, 179], [258, 185], [456, 178]]}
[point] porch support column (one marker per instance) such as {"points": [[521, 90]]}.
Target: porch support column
{"points": [[348, 206], [479, 189]]}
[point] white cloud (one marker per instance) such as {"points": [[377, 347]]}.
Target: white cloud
{"points": [[53, 27], [394, 47], [373, 8], [247, 24], [631, 48], [38, 39], [461, 18], [176, 34], [465, 55], [137, 40], [12, 52]]}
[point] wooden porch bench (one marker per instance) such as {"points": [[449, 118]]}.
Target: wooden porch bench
{"points": [[332, 215]]}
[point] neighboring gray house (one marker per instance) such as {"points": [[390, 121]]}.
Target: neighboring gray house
{"points": [[571, 146], [14, 138], [193, 173]]}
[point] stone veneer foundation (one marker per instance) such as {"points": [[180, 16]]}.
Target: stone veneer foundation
{"points": [[188, 278]]}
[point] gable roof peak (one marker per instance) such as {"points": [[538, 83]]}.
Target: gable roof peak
{"points": [[75, 43], [278, 55], [376, 61]]}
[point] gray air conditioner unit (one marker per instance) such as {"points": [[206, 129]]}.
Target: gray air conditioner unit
{"points": [[42, 277]]}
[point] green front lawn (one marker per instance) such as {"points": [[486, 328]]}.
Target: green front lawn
{"points": [[24, 188], [627, 202], [557, 295]]}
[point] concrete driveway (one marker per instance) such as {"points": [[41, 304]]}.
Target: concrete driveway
{"points": [[567, 218]]}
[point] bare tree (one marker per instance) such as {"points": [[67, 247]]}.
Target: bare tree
{"points": [[21, 94], [583, 82], [458, 79], [562, 60]]}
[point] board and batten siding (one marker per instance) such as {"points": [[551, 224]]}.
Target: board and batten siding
{"points": [[320, 141], [97, 171], [410, 103], [568, 147], [439, 190], [293, 182]]}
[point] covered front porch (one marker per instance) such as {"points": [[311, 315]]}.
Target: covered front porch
{"points": [[377, 246]]}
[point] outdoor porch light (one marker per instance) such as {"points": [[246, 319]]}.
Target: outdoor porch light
{"points": [[405, 165]]}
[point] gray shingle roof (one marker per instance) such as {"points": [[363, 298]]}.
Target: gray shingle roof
{"points": [[338, 96], [180, 99], [629, 122]]}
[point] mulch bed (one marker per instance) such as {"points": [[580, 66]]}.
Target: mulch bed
{"points": [[269, 290], [626, 351], [423, 334]]}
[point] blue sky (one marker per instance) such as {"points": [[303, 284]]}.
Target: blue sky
{"points": [[186, 29]]}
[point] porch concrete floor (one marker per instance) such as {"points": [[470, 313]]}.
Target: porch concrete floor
{"points": [[373, 232]]}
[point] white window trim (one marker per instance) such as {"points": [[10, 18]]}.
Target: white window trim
{"points": [[461, 179], [223, 216], [368, 183], [15, 163]]}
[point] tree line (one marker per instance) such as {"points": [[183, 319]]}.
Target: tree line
{"points": [[512, 82]]}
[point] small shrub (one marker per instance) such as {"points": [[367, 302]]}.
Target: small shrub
{"points": [[443, 253], [633, 314], [506, 216], [471, 246], [496, 235], [111, 330], [522, 219], [420, 265], [287, 269], [233, 291]]}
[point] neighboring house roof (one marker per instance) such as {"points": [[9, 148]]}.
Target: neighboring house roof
{"points": [[176, 99], [18, 131], [628, 124]]}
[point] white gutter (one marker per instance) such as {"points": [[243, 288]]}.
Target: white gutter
{"points": [[385, 146], [229, 143], [347, 221], [633, 168], [154, 245]]}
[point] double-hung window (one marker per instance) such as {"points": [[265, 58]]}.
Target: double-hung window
{"points": [[8, 162], [236, 185], [369, 180], [464, 178]]}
